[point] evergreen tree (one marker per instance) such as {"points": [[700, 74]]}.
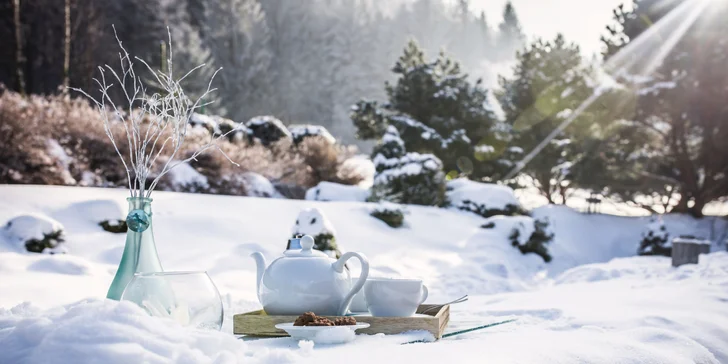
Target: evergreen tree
{"points": [[408, 178], [510, 34], [655, 239], [550, 81], [680, 105], [436, 110], [238, 37]]}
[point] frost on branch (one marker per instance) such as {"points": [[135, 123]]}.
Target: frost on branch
{"points": [[154, 114]]}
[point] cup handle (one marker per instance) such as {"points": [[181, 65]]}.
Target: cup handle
{"points": [[339, 267], [424, 294]]}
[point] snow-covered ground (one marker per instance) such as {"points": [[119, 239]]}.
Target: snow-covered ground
{"points": [[594, 302]]}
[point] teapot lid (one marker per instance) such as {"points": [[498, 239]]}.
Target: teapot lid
{"points": [[306, 250]]}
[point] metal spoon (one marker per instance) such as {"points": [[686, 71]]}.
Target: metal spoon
{"points": [[459, 300]]}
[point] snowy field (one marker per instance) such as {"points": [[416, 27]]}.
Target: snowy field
{"points": [[594, 303]]}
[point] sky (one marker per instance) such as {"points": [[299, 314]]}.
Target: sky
{"points": [[581, 21]]}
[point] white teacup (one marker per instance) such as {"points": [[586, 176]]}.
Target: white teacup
{"points": [[388, 297]]}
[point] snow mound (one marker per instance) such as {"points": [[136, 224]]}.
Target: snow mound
{"points": [[258, 186], [312, 221], [712, 267], [184, 177], [300, 132], [329, 191], [95, 211], [491, 264], [463, 192], [359, 165], [205, 121], [62, 264], [116, 332], [22, 228]]}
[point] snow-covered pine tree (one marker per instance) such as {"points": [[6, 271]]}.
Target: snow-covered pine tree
{"points": [[238, 36], [408, 178], [655, 239], [435, 110]]}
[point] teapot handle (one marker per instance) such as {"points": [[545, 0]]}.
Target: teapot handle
{"points": [[339, 267]]}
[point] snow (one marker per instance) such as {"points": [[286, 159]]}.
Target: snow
{"points": [[329, 191], [62, 158], [301, 131], [205, 121], [685, 240], [656, 87], [567, 91], [563, 114], [185, 176], [594, 303], [490, 195], [257, 185], [22, 228], [484, 148], [312, 221], [408, 165]]}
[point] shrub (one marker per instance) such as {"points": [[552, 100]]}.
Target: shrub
{"points": [[35, 233], [537, 240], [410, 178], [58, 140], [392, 215], [267, 129], [655, 239], [313, 222], [114, 226], [302, 132]]}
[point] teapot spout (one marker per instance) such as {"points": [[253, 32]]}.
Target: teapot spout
{"points": [[260, 268]]}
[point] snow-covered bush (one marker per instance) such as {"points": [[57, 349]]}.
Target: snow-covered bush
{"points": [[329, 191], [532, 236], [267, 129], [35, 233], [258, 186], [324, 161], [109, 214], [312, 221], [185, 178], [410, 178], [484, 199], [655, 239], [301, 132], [391, 214]]}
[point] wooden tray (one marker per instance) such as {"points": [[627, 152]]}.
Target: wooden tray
{"points": [[257, 323]]}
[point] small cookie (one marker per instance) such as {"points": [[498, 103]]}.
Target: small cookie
{"points": [[304, 319], [343, 321]]}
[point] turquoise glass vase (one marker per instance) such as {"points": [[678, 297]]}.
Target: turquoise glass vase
{"points": [[140, 251]]}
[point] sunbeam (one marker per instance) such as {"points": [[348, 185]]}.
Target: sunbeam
{"points": [[640, 58]]}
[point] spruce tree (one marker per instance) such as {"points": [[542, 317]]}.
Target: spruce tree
{"points": [[510, 34], [238, 37], [550, 81], [436, 110]]}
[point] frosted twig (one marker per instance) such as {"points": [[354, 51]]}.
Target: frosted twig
{"points": [[148, 118]]}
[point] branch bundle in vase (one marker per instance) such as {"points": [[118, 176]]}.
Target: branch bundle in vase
{"points": [[155, 125]]}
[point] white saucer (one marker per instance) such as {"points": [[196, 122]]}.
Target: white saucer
{"points": [[323, 334]]}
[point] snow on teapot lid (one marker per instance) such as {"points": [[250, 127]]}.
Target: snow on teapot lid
{"points": [[307, 250]]}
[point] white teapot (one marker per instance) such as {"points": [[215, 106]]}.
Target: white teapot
{"points": [[307, 280]]}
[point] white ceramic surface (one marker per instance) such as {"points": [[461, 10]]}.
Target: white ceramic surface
{"points": [[307, 280], [326, 334], [394, 297]]}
